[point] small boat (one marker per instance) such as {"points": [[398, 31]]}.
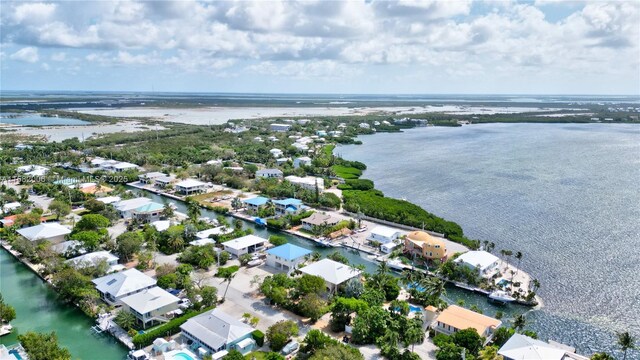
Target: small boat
{"points": [[395, 264], [501, 297], [260, 221]]}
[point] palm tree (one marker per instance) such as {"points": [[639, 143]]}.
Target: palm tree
{"points": [[489, 353], [236, 204], [435, 287], [413, 334], [519, 257], [626, 342], [383, 268], [227, 278], [519, 322], [193, 210]]}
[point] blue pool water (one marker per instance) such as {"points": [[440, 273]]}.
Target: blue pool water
{"points": [[414, 308], [182, 356], [15, 354]]}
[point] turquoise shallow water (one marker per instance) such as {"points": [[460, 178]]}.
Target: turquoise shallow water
{"points": [[38, 309], [30, 119], [566, 195]]}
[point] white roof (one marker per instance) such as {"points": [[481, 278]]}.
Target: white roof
{"points": [[149, 300], [131, 204], [65, 246], [309, 180], [161, 225], [525, 348], [44, 231], [478, 258], [331, 271], [11, 206], [153, 174], [190, 183], [220, 230], [124, 165], [109, 199], [304, 158], [123, 282], [216, 328], [203, 241], [244, 242], [384, 231], [93, 258]]}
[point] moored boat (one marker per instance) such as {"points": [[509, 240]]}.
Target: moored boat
{"points": [[501, 297]]}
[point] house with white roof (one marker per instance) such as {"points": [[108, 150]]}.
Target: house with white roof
{"points": [[163, 181], [109, 199], [52, 232], [66, 247], [307, 182], [286, 257], [276, 153], [116, 286], [33, 170], [220, 230], [149, 178], [216, 333], [161, 225], [520, 347], [302, 161], [94, 258], [384, 235], [9, 207], [483, 262], [125, 208], [151, 305], [364, 126], [281, 161], [190, 186], [244, 245], [333, 272], [269, 173]]}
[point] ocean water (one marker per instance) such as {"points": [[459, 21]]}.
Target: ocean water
{"points": [[565, 195], [29, 119]]}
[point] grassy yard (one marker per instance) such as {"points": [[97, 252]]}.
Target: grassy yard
{"points": [[258, 355], [346, 172]]}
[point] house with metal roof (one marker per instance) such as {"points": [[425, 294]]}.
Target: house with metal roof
{"points": [[125, 208], [94, 258], [116, 286], [301, 161], [334, 273], [216, 332], [269, 173], [244, 245], [254, 204], [286, 257], [288, 206], [148, 212], [384, 234], [151, 305], [149, 178], [52, 232], [190, 186], [483, 262], [521, 347]]}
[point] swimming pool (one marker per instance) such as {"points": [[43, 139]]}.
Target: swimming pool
{"points": [[179, 355], [414, 308], [15, 354]]}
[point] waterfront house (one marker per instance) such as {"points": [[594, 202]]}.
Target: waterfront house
{"points": [[163, 181], [301, 161], [94, 258], [116, 286], [286, 257], [364, 126], [269, 173], [10, 220], [334, 273], [122, 166], [523, 347], [190, 186], [384, 235], [150, 306], [455, 318], [217, 332], [307, 182], [483, 262], [109, 199], [51, 232], [316, 220], [244, 245], [280, 127], [254, 204], [422, 244], [148, 212], [150, 177], [288, 206], [126, 208], [67, 247], [220, 230]]}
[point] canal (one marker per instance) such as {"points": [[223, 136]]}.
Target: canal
{"points": [[39, 309], [453, 295]]}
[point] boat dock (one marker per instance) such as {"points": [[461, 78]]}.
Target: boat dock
{"points": [[105, 322]]}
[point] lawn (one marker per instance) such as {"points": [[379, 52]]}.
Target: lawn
{"points": [[258, 355], [346, 172]]}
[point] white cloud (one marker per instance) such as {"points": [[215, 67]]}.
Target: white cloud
{"points": [[59, 56], [27, 54], [33, 12]]}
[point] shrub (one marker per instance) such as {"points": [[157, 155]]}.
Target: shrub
{"points": [[169, 328], [258, 336], [224, 272], [277, 240]]}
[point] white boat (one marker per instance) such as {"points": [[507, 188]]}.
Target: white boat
{"points": [[395, 264], [501, 296]]}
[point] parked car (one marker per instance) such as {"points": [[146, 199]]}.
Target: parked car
{"points": [[291, 348], [184, 303]]}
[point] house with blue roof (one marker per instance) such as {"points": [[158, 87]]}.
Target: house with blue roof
{"points": [[148, 212], [286, 257], [288, 206], [255, 204]]}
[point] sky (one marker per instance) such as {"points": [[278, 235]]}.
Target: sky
{"points": [[323, 46]]}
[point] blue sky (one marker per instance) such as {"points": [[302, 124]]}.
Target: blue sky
{"points": [[315, 46]]}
